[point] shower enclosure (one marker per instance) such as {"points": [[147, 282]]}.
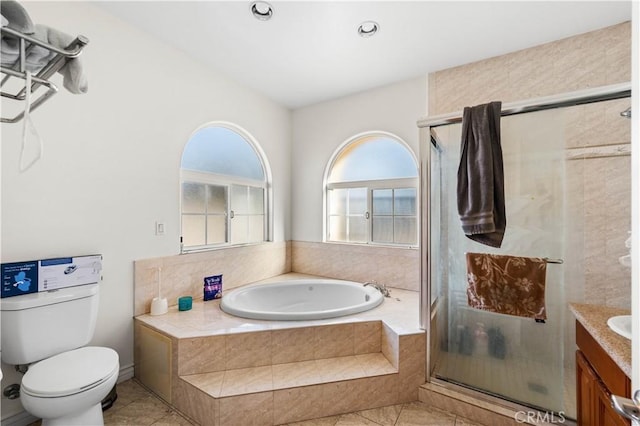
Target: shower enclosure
{"points": [[546, 149]]}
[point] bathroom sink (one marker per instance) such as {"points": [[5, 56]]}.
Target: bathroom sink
{"points": [[621, 325]]}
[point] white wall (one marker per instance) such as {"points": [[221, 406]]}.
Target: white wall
{"points": [[319, 129], [111, 158]]}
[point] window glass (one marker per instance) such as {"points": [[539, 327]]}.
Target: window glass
{"points": [[347, 218], [216, 199], [193, 229], [222, 151], [223, 190], [372, 158], [404, 201], [193, 198], [382, 201], [371, 192]]}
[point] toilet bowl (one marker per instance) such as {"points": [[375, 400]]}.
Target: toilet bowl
{"points": [[67, 389], [66, 381]]}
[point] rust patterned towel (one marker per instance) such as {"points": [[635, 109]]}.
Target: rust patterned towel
{"points": [[507, 284]]}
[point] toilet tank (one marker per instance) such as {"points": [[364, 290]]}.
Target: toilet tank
{"points": [[39, 325]]}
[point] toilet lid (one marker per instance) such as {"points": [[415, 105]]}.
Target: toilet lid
{"points": [[70, 372]]}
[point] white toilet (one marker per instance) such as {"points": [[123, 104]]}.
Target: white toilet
{"points": [[67, 383]]}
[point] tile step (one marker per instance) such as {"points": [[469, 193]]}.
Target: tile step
{"points": [[221, 384]]}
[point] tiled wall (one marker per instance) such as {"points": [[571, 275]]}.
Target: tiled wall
{"points": [[183, 275], [598, 171], [395, 267], [598, 187], [593, 59]]}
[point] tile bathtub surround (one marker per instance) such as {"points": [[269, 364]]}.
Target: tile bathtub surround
{"points": [[399, 312], [183, 275], [330, 385], [345, 364], [262, 402], [395, 267], [255, 349]]}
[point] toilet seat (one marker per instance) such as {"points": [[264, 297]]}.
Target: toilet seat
{"points": [[70, 372]]}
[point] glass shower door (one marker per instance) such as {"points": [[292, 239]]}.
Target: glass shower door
{"points": [[514, 358]]}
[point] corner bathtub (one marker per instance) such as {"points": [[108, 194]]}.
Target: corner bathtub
{"points": [[303, 299]]}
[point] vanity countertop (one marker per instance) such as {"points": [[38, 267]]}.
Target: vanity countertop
{"points": [[594, 319]]}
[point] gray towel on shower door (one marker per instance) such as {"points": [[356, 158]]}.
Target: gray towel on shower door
{"points": [[480, 187]]}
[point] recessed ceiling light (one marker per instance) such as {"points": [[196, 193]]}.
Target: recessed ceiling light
{"points": [[368, 28], [261, 10]]}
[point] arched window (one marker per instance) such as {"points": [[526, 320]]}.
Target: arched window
{"points": [[371, 192], [224, 196]]}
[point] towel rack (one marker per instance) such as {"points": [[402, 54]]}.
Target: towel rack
{"points": [[18, 70], [558, 261]]}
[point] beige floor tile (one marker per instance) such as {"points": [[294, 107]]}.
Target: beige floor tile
{"points": [[172, 419], [353, 419], [461, 421], [385, 416], [129, 391], [324, 421], [419, 414], [144, 411]]}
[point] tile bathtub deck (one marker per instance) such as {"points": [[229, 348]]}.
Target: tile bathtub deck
{"points": [[400, 312]]}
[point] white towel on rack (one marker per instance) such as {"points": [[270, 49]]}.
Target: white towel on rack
{"points": [[17, 16], [36, 58], [5, 21], [74, 79], [9, 50]]}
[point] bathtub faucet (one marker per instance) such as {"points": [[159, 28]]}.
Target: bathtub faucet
{"points": [[382, 288]]}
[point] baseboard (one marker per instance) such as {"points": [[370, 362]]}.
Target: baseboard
{"points": [[23, 418], [126, 373]]}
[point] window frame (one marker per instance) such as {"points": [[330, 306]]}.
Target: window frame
{"points": [[370, 185], [227, 181]]}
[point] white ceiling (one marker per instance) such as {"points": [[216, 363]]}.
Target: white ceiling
{"points": [[310, 51]]}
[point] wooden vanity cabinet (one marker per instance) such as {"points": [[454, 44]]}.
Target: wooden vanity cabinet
{"points": [[597, 377]]}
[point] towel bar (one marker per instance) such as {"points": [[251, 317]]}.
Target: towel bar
{"points": [[557, 261]]}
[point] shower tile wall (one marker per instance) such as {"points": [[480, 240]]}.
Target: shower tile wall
{"points": [[592, 59], [598, 171], [598, 186]]}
